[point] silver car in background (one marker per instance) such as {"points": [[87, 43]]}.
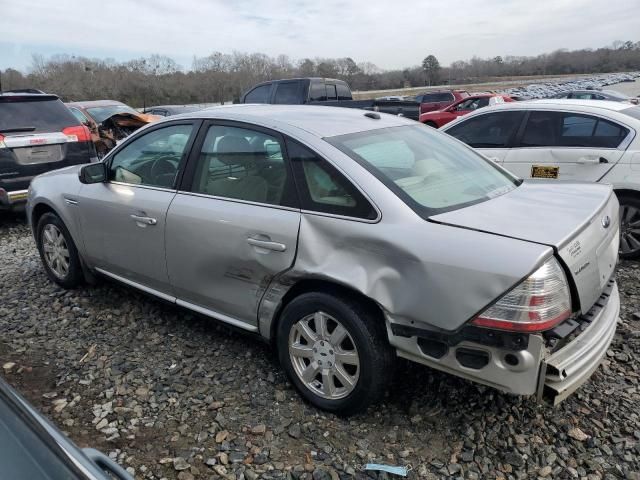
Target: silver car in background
{"points": [[347, 238]]}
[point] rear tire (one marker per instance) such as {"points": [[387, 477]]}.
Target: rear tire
{"points": [[58, 253], [629, 226], [335, 351]]}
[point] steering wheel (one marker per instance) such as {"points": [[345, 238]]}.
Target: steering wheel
{"points": [[162, 166]]}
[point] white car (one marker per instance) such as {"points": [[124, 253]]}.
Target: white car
{"points": [[590, 140]]}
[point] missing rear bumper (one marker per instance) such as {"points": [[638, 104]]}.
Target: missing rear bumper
{"points": [[569, 367]]}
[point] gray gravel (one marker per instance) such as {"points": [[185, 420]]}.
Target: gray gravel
{"points": [[171, 395]]}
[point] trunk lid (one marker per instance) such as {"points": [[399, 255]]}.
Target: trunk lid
{"points": [[579, 220]]}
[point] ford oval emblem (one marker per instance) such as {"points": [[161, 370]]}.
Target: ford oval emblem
{"points": [[606, 221]]}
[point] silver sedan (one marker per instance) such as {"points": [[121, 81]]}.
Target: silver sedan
{"points": [[346, 238]]}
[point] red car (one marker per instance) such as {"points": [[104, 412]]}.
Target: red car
{"points": [[439, 99], [473, 102]]}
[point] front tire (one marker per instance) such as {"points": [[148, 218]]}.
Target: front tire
{"points": [[335, 351], [58, 252], [629, 227]]}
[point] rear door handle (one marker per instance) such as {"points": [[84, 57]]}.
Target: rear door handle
{"points": [[588, 160], [267, 244], [145, 220]]}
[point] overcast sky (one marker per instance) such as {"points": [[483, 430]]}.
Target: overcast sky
{"points": [[391, 34]]}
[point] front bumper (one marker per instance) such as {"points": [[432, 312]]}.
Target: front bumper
{"points": [[524, 371]]}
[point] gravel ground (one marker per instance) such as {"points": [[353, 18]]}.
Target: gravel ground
{"points": [[172, 395]]}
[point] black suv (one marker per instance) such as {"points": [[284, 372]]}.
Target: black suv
{"points": [[37, 134]]}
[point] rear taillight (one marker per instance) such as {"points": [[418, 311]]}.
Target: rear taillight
{"points": [[79, 133], [538, 303], [2, 145]]}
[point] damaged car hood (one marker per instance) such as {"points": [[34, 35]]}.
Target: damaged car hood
{"points": [[131, 120]]}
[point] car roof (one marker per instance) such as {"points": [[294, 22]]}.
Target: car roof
{"points": [[318, 120], [550, 103], [94, 103], [577, 105], [27, 96]]}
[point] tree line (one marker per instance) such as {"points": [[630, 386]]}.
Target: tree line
{"points": [[223, 77]]}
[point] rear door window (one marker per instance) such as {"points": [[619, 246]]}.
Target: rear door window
{"points": [[563, 129], [243, 164], [492, 130], [258, 95], [35, 115], [287, 93], [331, 92], [317, 92]]}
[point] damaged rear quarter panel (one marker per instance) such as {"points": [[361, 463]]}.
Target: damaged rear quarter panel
{"points": [[420, 273]]}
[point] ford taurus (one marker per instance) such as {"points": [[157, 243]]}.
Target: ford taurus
{"points": [[347, 238]]}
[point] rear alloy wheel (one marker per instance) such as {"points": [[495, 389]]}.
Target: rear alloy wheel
{"points": [[335, 351], [58, 252], [324, 356], [629, 227]]}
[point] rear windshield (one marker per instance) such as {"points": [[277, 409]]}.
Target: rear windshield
{"points": [[34, 115], [437, 97], [430, 171], [632, 112], [100, 114]]}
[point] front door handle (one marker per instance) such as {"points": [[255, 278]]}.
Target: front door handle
{"points": [[267, 244], [145, 220]]}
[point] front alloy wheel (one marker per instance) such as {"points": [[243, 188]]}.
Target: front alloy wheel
{"points": [[324, 356], [56, 252]]}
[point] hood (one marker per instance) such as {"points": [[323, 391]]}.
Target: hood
{"points": [[72, 170], [131, 120], [579, 220]]}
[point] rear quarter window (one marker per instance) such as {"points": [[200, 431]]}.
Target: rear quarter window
{"points": [[343, 92], [41, 115]]}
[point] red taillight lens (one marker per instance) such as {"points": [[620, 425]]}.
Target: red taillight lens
{"points": [[79, 133], [2, 141], [539, 303]]}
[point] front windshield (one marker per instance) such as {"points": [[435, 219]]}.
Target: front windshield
{"points": [[100, 114], [430, 171]]}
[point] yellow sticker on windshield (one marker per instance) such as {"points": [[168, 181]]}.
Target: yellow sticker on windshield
{"points": [[544, 171]]}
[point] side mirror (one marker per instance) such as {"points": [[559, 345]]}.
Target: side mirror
{"points": [[93, 173]]}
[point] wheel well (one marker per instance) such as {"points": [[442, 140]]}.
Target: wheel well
{"points": [[38, 211], [626, 192], [324, 286]]}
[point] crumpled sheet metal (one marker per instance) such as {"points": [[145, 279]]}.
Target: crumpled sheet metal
{"points": [[423, 274]]}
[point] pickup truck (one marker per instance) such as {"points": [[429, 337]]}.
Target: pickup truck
{"points": [[324, 91]]}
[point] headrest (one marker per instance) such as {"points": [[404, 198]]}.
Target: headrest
{"points": [[233, 150]]}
